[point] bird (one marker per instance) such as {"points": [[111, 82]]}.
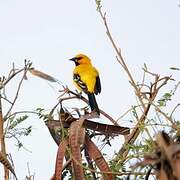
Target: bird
{"points": [[86, 78]]}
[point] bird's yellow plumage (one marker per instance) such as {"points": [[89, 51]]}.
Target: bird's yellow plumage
{"points": [[86, 78], [88, 75]]}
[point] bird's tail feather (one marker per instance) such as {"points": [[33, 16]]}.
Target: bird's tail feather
{"points": [[93, 103]]}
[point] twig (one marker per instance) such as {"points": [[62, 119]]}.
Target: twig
{"points": [[174, 109], [166, 116], [17, 93], [120, 58], [21, 112], [7, 100], [12, 76]]}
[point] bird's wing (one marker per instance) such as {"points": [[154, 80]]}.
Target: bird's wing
{"points": [[79, 82]]}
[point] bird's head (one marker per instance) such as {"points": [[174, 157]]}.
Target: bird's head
{"points": [[80, 59]]}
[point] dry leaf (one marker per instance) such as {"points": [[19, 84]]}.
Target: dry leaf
{"points": [[42, 75]]}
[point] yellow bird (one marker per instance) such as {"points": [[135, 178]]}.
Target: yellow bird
{"points": [[86, 78]]}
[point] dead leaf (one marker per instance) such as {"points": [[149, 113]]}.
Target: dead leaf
{"points": [[42, 75]]}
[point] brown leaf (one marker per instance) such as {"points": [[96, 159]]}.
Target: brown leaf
{"points": [[7, 164], [96, 155], [59, 160], [106, 128], [42, 75], [75, 142], [166, 156]]}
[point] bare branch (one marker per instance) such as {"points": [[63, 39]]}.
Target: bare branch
{"points": [[17, 93]]}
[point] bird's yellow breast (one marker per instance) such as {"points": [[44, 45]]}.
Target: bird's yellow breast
{"points": [[87, 75]]}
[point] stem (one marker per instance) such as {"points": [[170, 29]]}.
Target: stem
{"points": [[2, 142], [12, 76], [17, 94], [121, 60]]}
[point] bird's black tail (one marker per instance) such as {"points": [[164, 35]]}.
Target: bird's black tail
{"points": [[93, 103]]}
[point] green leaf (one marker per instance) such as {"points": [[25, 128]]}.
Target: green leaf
{"points": [[16, 122]]}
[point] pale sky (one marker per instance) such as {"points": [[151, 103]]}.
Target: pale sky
{"points": [[50, 32]]}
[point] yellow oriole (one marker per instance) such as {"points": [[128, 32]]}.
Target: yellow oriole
{"points": [[86, 78]]}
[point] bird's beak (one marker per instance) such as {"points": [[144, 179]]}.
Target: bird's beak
{"points": [[72, 59], [75, 60]]}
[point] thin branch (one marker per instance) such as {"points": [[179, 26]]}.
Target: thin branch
{"points": [[101, 111], [167, 117], [7, 100], [120, 58], [21, 112], [17, 93], [174, 109], [12, 76]]}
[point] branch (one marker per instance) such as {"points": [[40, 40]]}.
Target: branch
{"points": [[2, 141], [101, 111], [17, 93], [120, 58], [155, 87]]}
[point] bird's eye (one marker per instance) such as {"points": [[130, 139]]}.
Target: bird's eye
{"points": [[78, 58]]}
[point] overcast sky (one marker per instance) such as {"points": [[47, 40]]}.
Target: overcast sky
{"points": [[50, 32]]}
